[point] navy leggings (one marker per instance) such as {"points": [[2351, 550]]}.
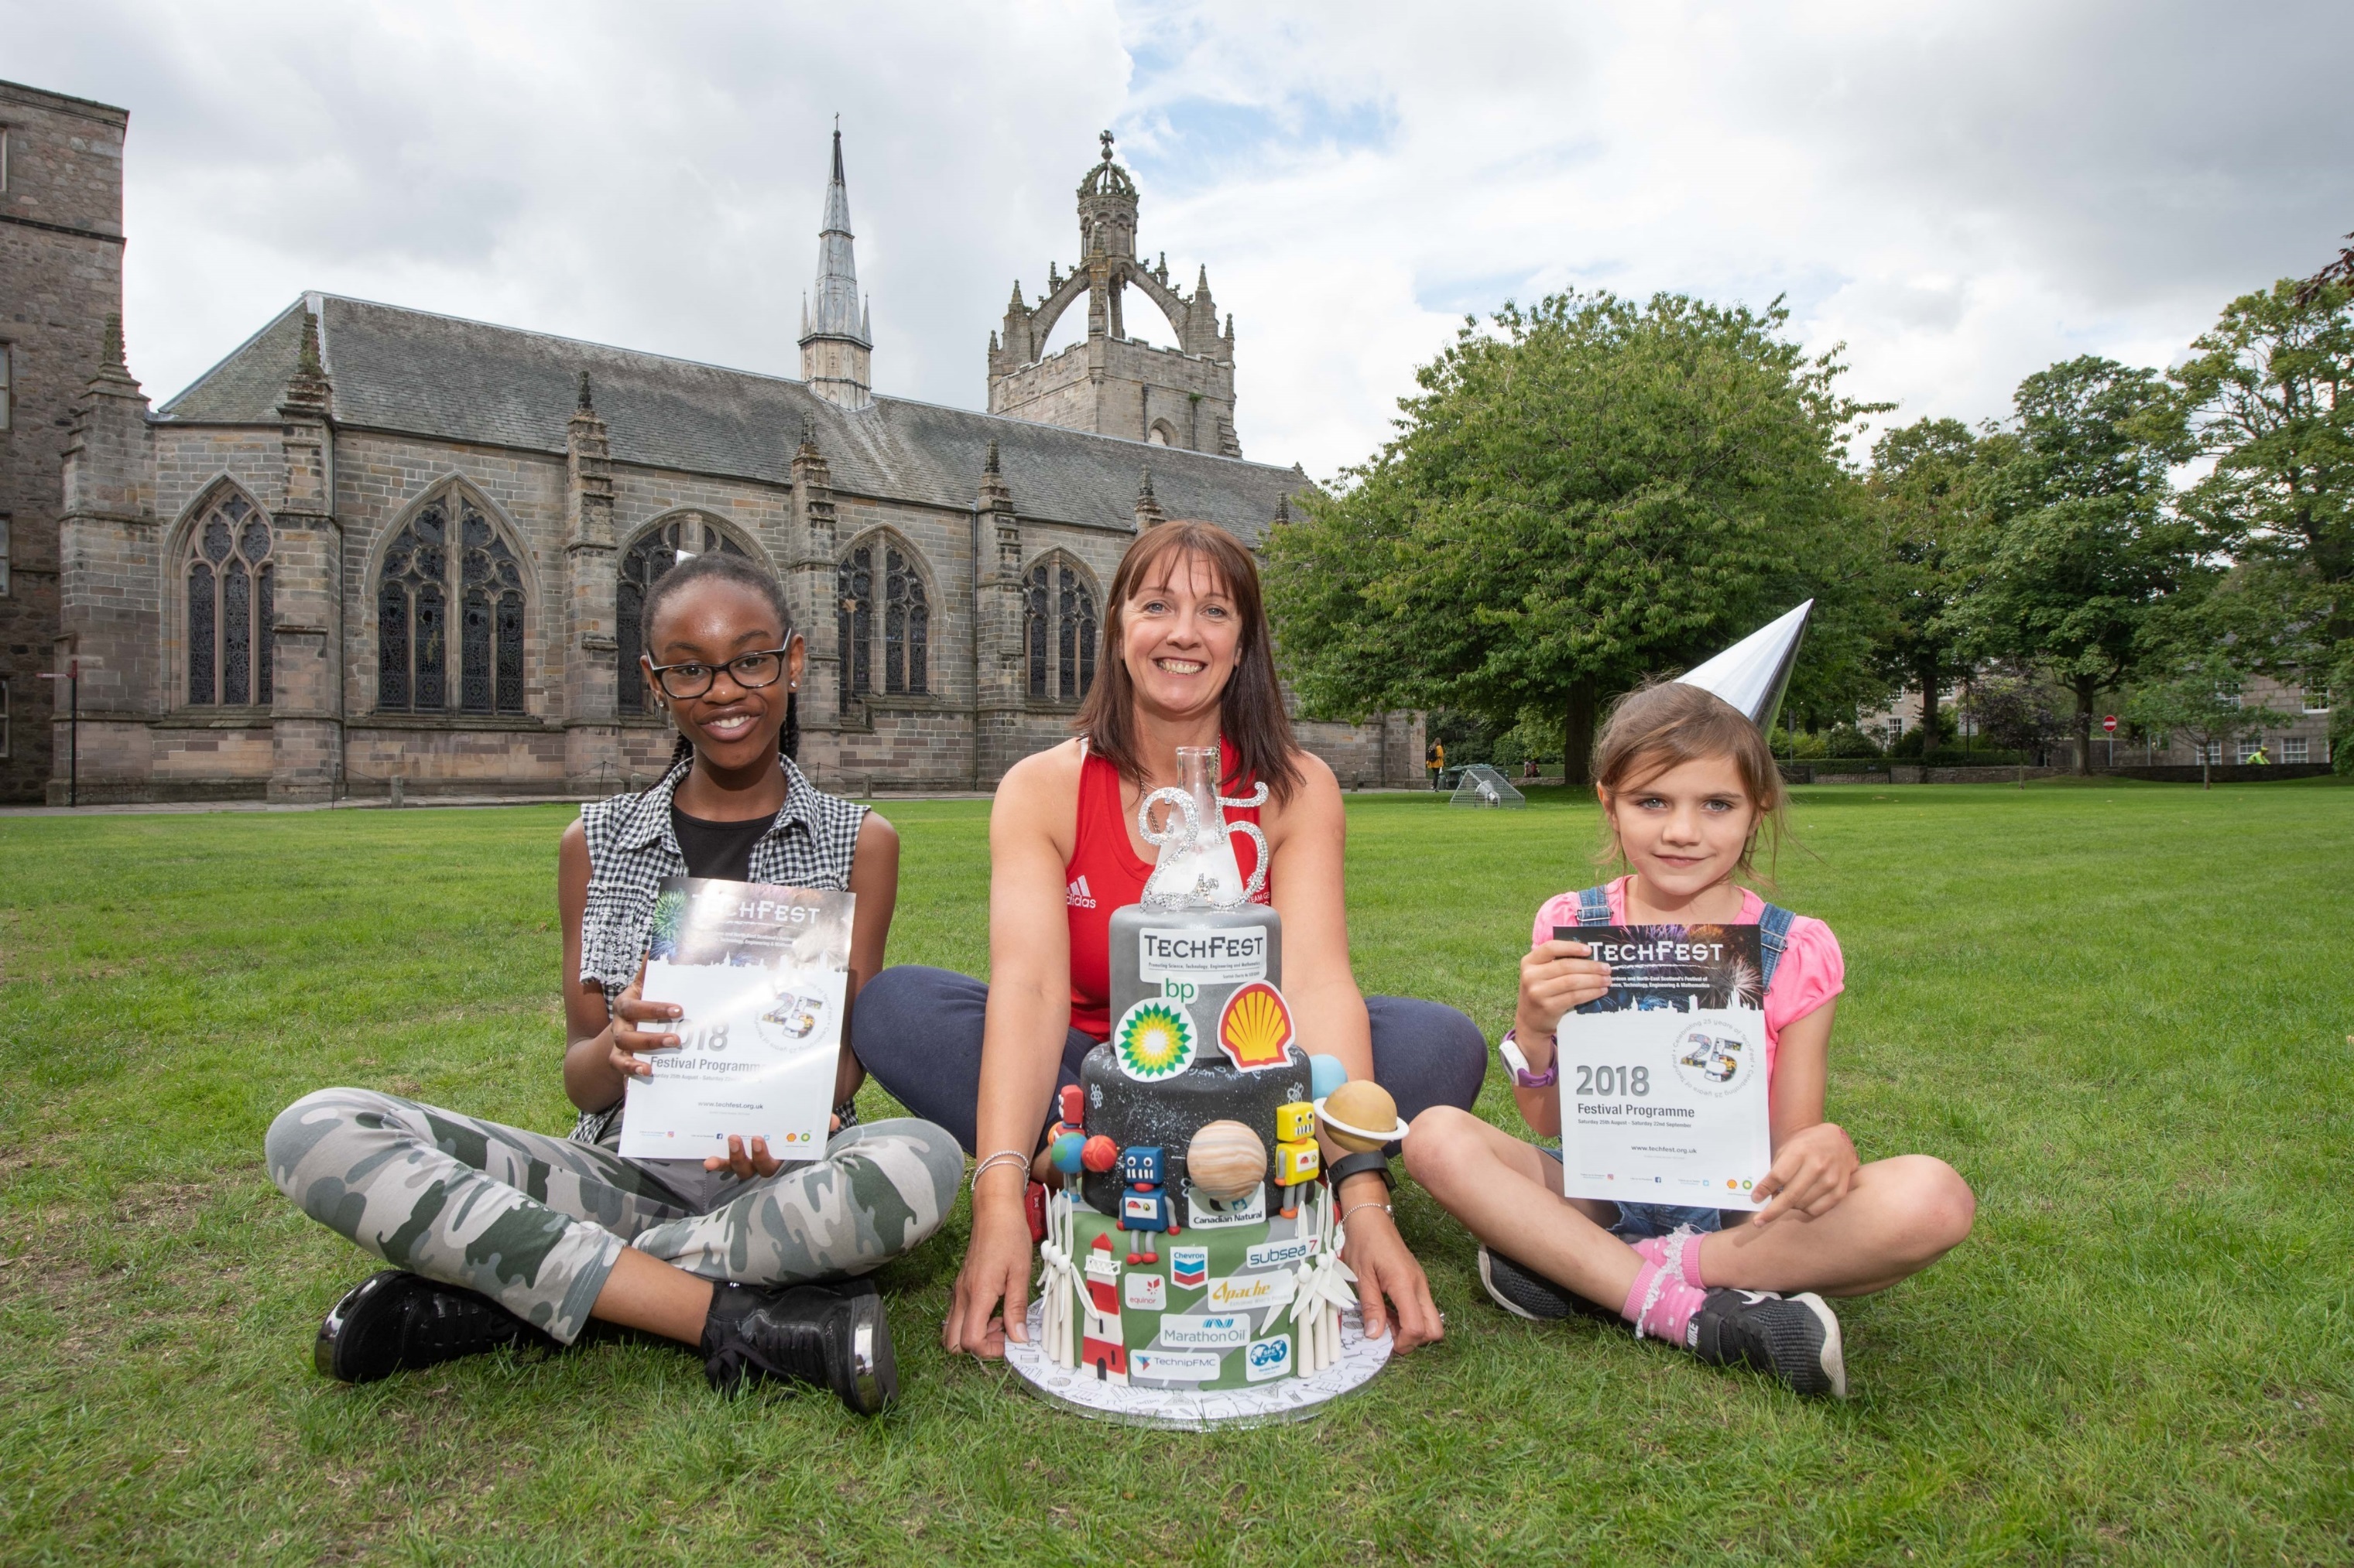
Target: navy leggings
{"points": [[917, 1030]]}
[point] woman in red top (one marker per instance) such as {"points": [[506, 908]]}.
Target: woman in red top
{"points": [[1187, 663]]}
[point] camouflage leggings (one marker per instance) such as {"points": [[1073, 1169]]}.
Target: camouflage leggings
{"points": [[537, 1223]]}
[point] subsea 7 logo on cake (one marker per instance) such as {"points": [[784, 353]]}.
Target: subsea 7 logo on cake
{"points": [[1268, 1358], [1189, 1267]]}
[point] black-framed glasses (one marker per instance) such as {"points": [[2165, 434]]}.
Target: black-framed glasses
{"points": [[749, 671]]}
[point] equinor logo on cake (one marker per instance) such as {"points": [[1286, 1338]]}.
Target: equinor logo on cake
{"points": [[1235, 1292], [1203, 1331], [1209, 956]]}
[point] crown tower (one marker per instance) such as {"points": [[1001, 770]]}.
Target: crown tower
{"points": [[1113, 384]]}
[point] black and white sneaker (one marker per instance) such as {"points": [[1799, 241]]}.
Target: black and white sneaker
{"points": [[395, 1321], [1524, 1291], [828, 1336], [1795, 1338]]}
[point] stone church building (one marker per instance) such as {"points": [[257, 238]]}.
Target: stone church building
{"points": [[375, 543]]}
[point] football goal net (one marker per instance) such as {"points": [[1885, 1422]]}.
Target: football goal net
{"points": [[1483, 786]]}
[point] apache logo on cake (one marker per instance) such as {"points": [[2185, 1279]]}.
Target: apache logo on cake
{"points": [[1238, 1290]]}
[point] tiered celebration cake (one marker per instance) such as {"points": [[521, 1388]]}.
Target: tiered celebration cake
{"points": [[1193, 1248]]}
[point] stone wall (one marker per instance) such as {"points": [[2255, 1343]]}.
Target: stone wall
{"points": [[61, 256], [1120, 387]]}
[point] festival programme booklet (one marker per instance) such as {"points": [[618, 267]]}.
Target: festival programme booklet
{"points": [[760, 972], [1662, 1077]]}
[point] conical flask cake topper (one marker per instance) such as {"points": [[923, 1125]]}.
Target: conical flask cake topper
{"points": [[1197, 869], [1753, 672]]}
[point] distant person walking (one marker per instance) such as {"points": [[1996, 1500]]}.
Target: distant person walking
{"points": [[1437, 762]]}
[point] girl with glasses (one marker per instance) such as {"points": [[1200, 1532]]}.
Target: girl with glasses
{"points": [[504, 1237]]}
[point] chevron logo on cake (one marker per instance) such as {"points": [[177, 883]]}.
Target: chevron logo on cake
{"points": [[1189, 1267]]}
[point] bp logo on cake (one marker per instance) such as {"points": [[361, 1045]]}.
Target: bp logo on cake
{"points": [[1153, 1040]]}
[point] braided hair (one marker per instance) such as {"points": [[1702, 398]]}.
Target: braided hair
{"points": [[743, 574]]}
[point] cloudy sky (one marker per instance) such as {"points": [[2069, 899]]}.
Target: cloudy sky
{"points": [[1961, 193]]}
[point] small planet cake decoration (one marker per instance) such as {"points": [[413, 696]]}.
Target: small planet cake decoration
{"points": [[1225, 1160], [1359, 1116], [1254, 1028], [1153, 1040]]}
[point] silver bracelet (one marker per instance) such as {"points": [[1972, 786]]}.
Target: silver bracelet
{"points": [[1354, 1207], [1002, 1156]]}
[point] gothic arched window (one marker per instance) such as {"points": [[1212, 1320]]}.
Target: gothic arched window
{"points": [[905, 624], [1058, 612], [906, 628], [656, 552], [448, 553], [854, 582], [229, 579]]}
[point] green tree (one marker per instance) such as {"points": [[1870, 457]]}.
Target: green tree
{"points": [[2015, 713], [2080, 546], [1595, 491], [2201, 697], [2264, 394], [1922, 480]]}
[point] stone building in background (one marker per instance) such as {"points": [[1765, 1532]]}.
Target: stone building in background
{"points": [[60, 287], [377, 543]]}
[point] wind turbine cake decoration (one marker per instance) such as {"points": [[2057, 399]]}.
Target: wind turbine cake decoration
{"points": [[1753, 672]]}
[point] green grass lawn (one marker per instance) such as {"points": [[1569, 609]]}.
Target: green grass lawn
{"points": [[2122, 1011]]}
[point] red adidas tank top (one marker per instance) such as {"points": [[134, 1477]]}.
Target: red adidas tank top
{"points": [[1104, 874]]}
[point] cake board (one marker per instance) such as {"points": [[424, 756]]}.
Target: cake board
{"points": [[1190, 1410]]}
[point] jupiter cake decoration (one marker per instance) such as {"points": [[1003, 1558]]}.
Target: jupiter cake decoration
{"points": [[1172, 1290]]}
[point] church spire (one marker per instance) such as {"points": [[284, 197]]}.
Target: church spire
{"points": [[837, 346]]}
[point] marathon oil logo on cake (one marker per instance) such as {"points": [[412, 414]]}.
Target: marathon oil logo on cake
{"points": [[1204, 1330]]}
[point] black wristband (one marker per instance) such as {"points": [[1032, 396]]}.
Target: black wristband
{"points": [[1350, 1165]]}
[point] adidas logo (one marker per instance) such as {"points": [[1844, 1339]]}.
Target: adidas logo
{"points": [[1078, 896]]}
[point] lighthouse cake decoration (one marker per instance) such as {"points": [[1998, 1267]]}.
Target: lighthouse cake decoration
{"points": [[1190, 1266]]}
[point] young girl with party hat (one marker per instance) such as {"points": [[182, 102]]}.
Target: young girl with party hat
{"points": [[1688, 788]]}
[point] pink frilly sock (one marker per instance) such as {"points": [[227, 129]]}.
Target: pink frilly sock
{"points": [[1679, 1253], [1662, 1306]]}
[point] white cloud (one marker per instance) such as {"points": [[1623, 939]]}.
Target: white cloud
{"points": [[1962, 193]]}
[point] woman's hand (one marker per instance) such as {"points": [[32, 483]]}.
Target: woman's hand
{"points": [[1813, 1171], [1555, 976], [638, 1026], [996, 1269], [1386, 1268]]}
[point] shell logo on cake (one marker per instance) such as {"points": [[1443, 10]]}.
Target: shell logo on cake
{"points": [[1154, 1040], [1254, 1029]]}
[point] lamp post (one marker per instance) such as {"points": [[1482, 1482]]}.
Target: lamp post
{"points": [[72, 678]]}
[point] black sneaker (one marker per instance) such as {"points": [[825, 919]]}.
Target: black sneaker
{"points": [[1524, 1291], [829, 1336], [1795, 1338], [395, 1321]]}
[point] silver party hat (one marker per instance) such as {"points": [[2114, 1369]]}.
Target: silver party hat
{"points": [[1753, 672]]}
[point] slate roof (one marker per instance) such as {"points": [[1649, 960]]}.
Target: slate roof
{"points": [[416, 373]]}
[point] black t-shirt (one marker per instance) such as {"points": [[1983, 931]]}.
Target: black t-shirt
{"points": [[722, 850]]}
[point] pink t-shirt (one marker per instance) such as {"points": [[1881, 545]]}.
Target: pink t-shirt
{"points": [[1811, 972]]}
